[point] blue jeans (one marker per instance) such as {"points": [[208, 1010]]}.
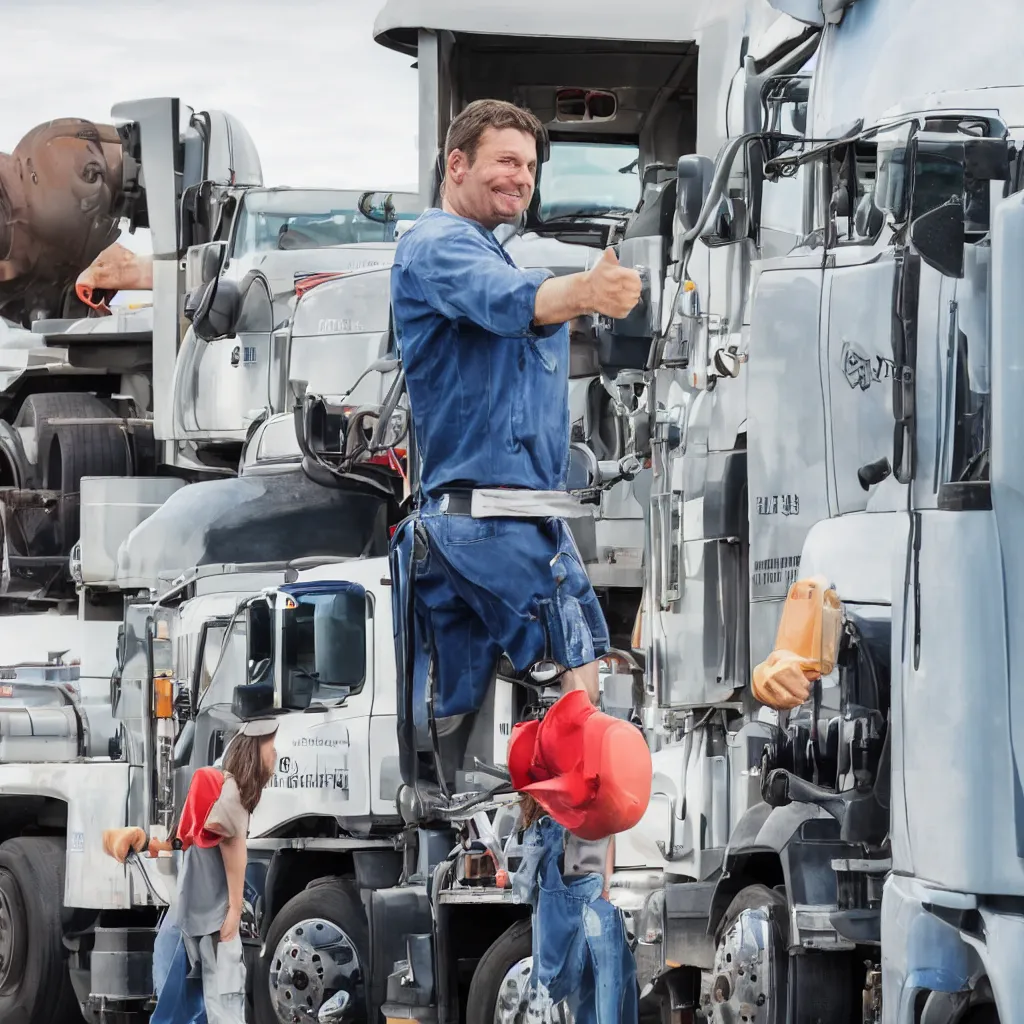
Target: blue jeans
{"points": [[580, 950], [179, 998], [492, 586]]}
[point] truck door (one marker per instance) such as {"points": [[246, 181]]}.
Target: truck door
{"points": [[324, 672], [786, 455], [860, 295], [221, 665]]}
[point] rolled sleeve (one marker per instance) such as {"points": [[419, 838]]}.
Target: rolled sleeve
{"points": [[228, 818], [462, 277]]}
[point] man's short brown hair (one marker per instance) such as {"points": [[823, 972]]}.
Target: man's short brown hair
{"points": [[467, 128]]}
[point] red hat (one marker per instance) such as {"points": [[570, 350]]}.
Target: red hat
{"points": [[591, 772]]}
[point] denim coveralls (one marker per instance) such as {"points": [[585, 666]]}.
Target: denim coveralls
{"points": [[580, 951], [489, 398]]}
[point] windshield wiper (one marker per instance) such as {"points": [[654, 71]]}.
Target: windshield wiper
{"points": [[589, 211], [329, 702]]}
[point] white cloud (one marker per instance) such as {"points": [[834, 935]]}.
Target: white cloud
{"points": [[324, 103]]}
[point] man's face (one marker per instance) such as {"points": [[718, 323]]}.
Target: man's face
{"points": [[498, 186]]}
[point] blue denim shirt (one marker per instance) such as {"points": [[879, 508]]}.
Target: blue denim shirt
{"points": [[489, 391]]}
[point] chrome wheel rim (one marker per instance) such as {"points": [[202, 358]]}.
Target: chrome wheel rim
{"points": [[314, 959], [518, 1001]]}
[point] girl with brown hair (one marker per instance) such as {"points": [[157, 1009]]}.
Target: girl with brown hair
{"points": [[212, 830]]}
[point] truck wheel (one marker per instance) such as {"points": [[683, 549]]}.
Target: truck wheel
{"points": [[750, 958], [498, 991], [15, 470], [317, 944], [752, 969], [35, 987], [65, 453], [68, 452]]}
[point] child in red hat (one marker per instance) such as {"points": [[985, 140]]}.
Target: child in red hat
{"points": [[583, 776]]}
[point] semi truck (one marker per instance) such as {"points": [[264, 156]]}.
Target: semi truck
{"points": [[139, 393], [72, 764], [821, 381]]}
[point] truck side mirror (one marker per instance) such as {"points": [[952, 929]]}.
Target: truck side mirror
{"points": [[203, 263], [694, 174], [252, 699], [938, 236], [949, 173], [936, 215], [213, 309], [739, 205]]}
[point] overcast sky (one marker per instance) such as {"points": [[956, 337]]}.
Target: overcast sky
{"points": [[325, 104]]}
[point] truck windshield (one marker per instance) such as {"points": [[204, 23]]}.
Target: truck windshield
{"points": [[589, 178], [324, 645], [272, 220]]}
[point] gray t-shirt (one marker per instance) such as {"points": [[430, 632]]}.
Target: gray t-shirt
{"points": [[202, 881], [584, 856]]}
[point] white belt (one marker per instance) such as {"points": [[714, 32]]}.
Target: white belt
{"points": [[496, 502]]}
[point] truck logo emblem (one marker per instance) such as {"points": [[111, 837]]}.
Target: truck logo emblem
{"points": [[861, 371]]}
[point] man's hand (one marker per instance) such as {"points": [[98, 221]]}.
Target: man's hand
{"points": [[229, 929], [613, 290], [606, 288]]}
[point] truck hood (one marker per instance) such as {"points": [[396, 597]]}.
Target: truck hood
{"points": [[284, 268], [260, 519]]}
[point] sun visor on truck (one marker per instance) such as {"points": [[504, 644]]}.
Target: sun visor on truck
{"points": [[274, 518]]}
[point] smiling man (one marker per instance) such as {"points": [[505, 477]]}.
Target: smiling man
{"points": [[485, 347]]}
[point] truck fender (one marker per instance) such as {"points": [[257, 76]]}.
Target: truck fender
{"points": [[401, 926], [766, 831]]}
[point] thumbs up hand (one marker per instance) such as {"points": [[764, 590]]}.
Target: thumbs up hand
{"points": [[613, 290]]}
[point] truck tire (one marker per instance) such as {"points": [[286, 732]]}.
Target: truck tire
{"points": [[35, 987], [66, 453], [324, 921], [501, 973], [15, 470]]}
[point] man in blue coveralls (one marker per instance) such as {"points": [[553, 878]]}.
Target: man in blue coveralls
{"points": [[485, 347]]}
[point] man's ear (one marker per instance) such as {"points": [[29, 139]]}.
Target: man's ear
{"points": [[456, 166]]}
